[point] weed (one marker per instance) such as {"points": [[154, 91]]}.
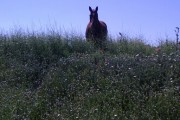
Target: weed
{"points": [[51, 76]]}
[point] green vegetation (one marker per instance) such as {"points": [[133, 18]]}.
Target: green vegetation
{"points": [[53, 76]]}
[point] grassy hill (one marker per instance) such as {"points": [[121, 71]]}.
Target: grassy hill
{"points": [[54, 76]]}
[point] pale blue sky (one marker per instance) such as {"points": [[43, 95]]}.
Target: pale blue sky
{"points": [[153, 19]]}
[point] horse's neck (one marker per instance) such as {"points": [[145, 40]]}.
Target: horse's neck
{"points": [[96, 24]]}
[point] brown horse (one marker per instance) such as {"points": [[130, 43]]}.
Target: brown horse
{"points": [[96, 30]]}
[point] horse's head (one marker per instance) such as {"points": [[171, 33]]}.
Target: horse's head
{"points": [[93, 15]]}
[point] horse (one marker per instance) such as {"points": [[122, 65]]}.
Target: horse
{"points": [[96, 30]]}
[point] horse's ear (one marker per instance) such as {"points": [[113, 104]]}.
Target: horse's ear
{"points": [[96, 8], [90, 9]]}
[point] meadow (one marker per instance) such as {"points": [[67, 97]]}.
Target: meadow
{"points": [[54, 76]]}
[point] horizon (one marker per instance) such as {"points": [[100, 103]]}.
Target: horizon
{"points": [[151, 20]]}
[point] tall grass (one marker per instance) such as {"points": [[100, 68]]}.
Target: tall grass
{"points": [[55, 76]]}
